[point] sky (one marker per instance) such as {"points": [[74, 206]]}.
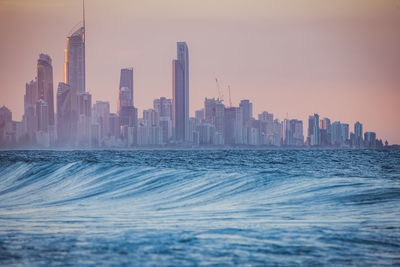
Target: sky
{"points": [[340, 59]]}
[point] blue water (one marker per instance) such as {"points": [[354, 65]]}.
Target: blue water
{"points": [[178, 208]]}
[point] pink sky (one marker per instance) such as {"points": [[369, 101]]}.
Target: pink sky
{"points": [[340, 59]]}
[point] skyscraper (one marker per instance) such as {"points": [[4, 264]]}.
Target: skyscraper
{"points": [[126, 86], [29, 118], [233, 126], [74, 65], [358, 134], [67, 115], [337, 134], [313, 130], [325, 131], [126, 110], [84, 118], [42, 111], [247, 109], [345, 132], [45, 85], [5, 121], [180, 92], [164, 108], [214, 113], [100, 115]]}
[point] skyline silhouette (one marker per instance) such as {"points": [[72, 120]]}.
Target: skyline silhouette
{"points": [[374, 106]]}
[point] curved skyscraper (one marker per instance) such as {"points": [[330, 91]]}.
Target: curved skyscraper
{"points": [[74, 66]]}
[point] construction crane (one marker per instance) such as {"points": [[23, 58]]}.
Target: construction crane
{"points": [[220, 96]]}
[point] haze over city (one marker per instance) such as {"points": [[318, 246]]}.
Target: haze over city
{"points": [[197, 133], [340, 60]]}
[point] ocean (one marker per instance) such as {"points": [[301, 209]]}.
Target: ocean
{"points": [[200, 207]]}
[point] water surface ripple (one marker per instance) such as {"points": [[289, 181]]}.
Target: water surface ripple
{"points": [[211, 207]]}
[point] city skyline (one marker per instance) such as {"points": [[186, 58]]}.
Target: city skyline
{"points": [[205, 86]]}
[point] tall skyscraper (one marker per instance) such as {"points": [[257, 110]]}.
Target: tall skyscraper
{"points": [[74, 65], [45, 84], [126, 88], [126, 111], [29, 118], [67, 115], [180, 92]]}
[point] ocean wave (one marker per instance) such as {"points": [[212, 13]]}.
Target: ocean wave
{"points": [[256, 205]]}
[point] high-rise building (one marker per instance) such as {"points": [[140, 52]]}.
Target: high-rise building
{"points": [[114, 130], [296, 127], [336, 138], [325, 131], [370, 139], [128, 116], [199, 115], [313, 130], [67, 115], [214, 113], [126, 111], [100, 116], [206, 133], [358, 134], [45, 84], [163, 106], [233, 126], [151, 117], [29, 118], [247, 109], [220, 120], [5, 121], [42, 111], [125, 88], [287, 134], [266, 128], [293, 132], [74, 65], [277, 133], [84, 118], [180, 92], [345, 132]]}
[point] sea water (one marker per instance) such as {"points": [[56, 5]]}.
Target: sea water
{"points": [[193, 207]]}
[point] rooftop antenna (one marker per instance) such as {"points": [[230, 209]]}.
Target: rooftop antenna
{"points": [[83, 16]]}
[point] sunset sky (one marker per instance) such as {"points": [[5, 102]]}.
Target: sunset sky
{"points": [[340, 59]]}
